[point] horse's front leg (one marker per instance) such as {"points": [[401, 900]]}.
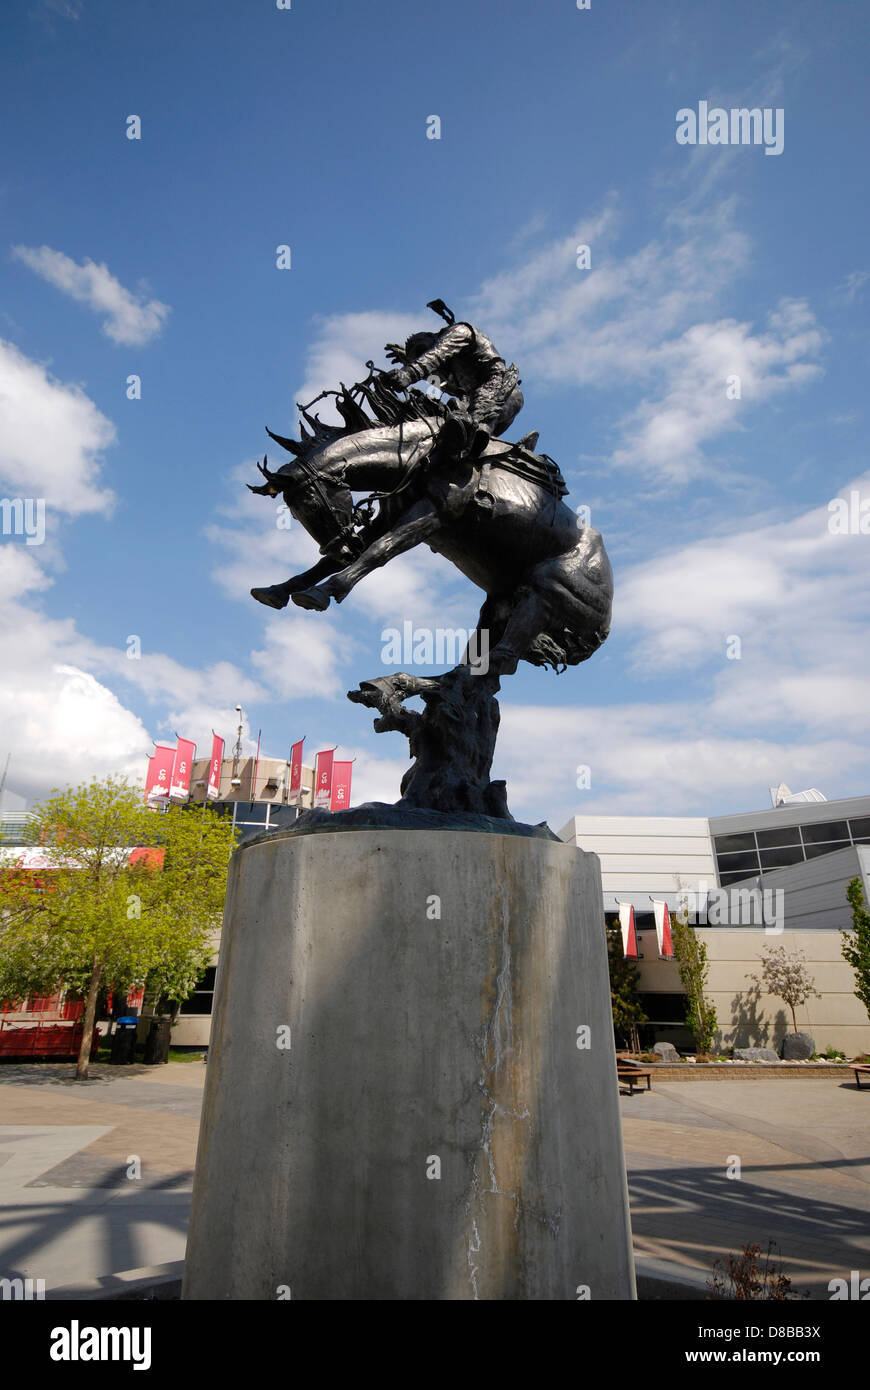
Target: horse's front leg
{"points": [[419, 523], [278, 595]]}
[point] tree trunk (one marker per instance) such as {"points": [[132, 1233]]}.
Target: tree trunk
{"points": [[793, 1019], [90, 1016]]}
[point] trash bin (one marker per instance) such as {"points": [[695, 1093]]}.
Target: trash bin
{"points": [[157, 1042], [123, 1042]]}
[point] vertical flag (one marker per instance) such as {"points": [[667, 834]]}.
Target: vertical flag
{"points": [[179, 789], [629, 934], [255, 769], [323, 779], [341, 775], [663, 930], [296, 773], [159, 773], [214, 771]]}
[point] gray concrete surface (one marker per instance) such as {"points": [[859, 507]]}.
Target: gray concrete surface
{"points": [[419, 1043]]}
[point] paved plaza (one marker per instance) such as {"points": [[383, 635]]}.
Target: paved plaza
{"points": [[71, 1215]]}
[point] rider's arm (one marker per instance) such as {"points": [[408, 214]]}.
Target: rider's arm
{"points": [[449, 343]]}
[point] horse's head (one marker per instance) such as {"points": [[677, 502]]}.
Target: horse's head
{"points": [[312, 492]]}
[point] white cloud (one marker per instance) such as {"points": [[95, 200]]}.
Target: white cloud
{"points": [[793, 707], [665, 436], [796, 595], [128, 318], [651, 759], [61, 724], [301, 655], [645, 319], [852, 287], [51, 436], [344, 343], [60, 713]]}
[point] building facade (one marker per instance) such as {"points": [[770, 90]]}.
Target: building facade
{"points": [[255, 793], [784, 873]]}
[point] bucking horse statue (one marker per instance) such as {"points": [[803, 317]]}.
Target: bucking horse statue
{"points": [[438, 473]]}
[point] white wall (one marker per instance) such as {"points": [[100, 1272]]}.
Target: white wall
{"points": [[643, 855]]}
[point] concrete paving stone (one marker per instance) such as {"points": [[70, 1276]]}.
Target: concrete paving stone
{"points": [[68, 1212], [88, 1169]]}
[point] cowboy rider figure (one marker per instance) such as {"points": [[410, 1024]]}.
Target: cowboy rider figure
{"points": [[464, 362]]}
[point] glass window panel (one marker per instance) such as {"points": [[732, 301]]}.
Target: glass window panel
{"points": [[726, 843], [826, 830], [816, 851], [198, 1003], [786, 835], [782, 857], [247, 832], [749, 862], [664, 1007], [247, 814], [726, 879], [282, 815], [860, 828]]}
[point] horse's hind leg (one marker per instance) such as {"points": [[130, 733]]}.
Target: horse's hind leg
{"points": [[419, 523], [571, 591], [527, 619], [491, 623]]}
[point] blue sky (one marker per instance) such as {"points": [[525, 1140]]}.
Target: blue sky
{"points": [[307, 127]]}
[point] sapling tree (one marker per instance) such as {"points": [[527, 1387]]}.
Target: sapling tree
{"points": [[856, 942], [625, 1002], [690, 953], [785, 975]]}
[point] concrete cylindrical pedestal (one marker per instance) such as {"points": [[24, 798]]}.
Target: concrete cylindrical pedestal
{"points": [[411, 1087]]}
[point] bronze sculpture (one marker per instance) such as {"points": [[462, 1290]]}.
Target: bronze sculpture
{"points": [[439, 474]]}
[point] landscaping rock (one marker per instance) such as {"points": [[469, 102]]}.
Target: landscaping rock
{"points": [[797, 1047], [667, 1052], [755, 1054]]}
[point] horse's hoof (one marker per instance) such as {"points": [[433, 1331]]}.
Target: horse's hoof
{"points": [[311, 599], [271, 596]]}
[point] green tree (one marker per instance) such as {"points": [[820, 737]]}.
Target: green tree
{"points": [[94, 921], [856, 942], [625, 1002], [690, 954]]}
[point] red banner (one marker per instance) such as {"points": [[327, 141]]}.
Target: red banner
{"points": [[214, 772], [341, 775], [323, 779], [255, 770], [184, 754], [663, 930], [159, 773], [296, 773]]}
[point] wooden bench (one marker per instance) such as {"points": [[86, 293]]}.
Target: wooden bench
{"points": [[861, 1069], [630, 1073]]}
